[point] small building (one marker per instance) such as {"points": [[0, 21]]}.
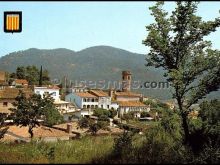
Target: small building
{"points": [[83, 100], [127, 96], [45, 90], [20, 82], [7, 97], [3, 81], [128, 106], [64, 106], [104, 100]]}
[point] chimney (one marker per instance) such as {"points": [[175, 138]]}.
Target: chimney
{"points": [[69, 128], [126, 81]]}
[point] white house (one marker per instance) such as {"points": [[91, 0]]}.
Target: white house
{"points": [[54, 90], [64, 106], [83, 100], [128, 106], [104, 100]]}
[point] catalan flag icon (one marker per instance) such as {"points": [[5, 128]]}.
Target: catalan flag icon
{"points": [[12, 21]]}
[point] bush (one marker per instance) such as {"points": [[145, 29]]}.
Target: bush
{"points": [[99, 112], [145, 114], [113, 113], [84, 122]]}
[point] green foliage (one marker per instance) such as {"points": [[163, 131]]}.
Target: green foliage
{"points": [[21, 72], [32, 74], [78, 151], [3, 129], [84, 122], [171, 123], [113, 113], [28, 111], [177, 45], [129, 116], [94, 127], [145, 114], [100, 112], [123, 144], [206, 127]]}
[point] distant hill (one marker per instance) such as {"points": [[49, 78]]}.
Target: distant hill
{"points": [[94, 63]]}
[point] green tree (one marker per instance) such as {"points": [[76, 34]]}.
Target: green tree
{"points": [[99, 112], [20, 72], [32, 75], [27, 111], [113, 113], [40, 80], [3, 128], [30, 109], [45, 77], [177, 45], [51, 114], [206, 126], [94, 128], [84, 122]]}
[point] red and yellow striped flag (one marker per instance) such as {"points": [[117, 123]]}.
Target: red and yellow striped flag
{"points": [[12, 22]]}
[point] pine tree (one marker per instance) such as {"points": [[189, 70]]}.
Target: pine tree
{"points": [[41, 74]]}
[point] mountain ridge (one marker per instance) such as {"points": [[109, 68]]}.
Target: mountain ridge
{"points": [[92, 63]]}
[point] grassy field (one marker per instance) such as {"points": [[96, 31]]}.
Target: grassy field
{"points": [[75, 151]]}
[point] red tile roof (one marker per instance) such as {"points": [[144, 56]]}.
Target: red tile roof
{"points": [[85, 94], [21, 81], [99, 93], [12, 93], [131, 104], [128, 94]]}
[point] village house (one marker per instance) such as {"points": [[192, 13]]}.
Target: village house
{"points": [[128, 101], [61, 105], [104, 100], [85, 101], [123, 101], [7, 97], [3, 82], [20, 83], [45, 90]]}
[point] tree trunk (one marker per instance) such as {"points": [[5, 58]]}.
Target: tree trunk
{"points": [[185, 128], [184, 122], [31, 132]]}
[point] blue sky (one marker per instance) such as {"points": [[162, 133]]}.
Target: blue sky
{"points": [[78, 25]]}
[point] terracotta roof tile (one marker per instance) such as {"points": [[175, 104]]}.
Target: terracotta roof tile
{"points": [[128, 94], [85, 94], [99, 93], [12, 93], [131, 104], [48, 87], [21, 81]]}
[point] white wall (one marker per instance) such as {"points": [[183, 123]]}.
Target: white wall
{"points": [[104, 102], [73, 98], [42, 91]]}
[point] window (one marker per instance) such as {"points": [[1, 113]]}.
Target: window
{"points": [[5, 104], [54, 94], [108, 106], [38, 92]]}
